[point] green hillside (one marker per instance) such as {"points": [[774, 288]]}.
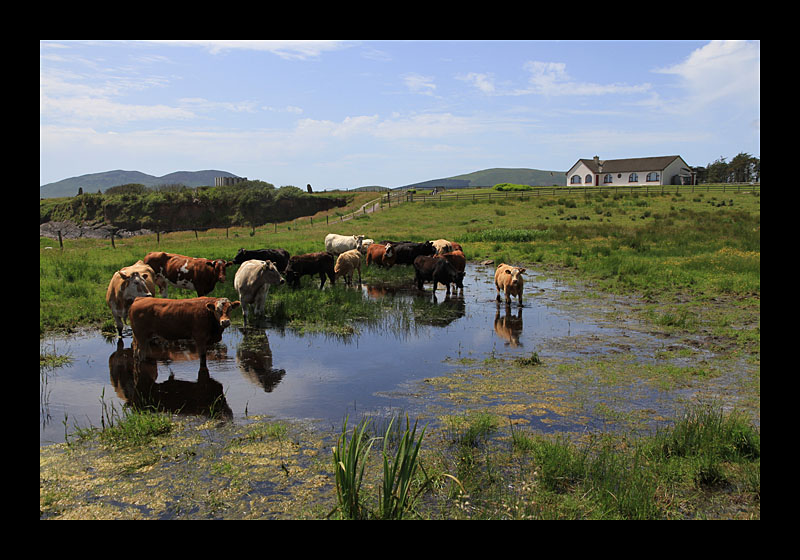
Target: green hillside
{"points": [[94, 182], [491, 177]]}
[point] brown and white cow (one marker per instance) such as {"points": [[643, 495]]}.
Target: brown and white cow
{"points": [[189, 273], [201, 319], [509, 279], [381, 255], [252, 282], [123, 289]]}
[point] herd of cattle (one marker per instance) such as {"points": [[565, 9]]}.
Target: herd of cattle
{"points": [[203, 319]]}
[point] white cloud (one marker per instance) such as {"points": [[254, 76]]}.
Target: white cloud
{"points": [[720, 70], [288, 49], [484, 82], [418, 83], [551, 78]]}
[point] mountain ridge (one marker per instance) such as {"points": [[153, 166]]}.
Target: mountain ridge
{"points": [[93, 182]]}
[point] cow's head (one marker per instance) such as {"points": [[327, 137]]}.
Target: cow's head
{"points": [[428, 249], [389, 251], [133, 286], [515, 272], [222, 310], [271, 273], [219, 267], [240, 257]]}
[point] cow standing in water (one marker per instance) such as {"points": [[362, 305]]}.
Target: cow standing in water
{"points": [[200, 319], [123, 289], [184, 272], [509, 279], [252, 282]]}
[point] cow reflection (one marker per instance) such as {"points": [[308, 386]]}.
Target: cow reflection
{"points": [[134, 381], [429, 310], [254, 358], [508, 327]]}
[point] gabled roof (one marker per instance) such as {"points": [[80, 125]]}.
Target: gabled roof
{"points": [[658, 163]]}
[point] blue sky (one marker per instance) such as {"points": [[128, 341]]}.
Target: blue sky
{"points": [[344, 114]]}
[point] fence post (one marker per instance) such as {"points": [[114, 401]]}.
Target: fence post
{"points": [[60, 242]]}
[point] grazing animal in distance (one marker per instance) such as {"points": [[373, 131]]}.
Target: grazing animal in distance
{"points": [[337, 244], [189, 273], [381, 255], [201, 319], [407, 251], [278, 256], [252, 282], [346, 264], [321, 263], [123, 289], [436, 270], [509, 280]]}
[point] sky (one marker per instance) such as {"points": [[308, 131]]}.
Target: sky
{"points": [[350, 113]]}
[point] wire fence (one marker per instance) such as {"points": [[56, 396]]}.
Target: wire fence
{"points": [[534, 192]]}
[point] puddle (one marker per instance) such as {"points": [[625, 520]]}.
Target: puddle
{"points": [[279, 373]]}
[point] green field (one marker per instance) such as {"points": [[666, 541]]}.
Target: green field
{"points": [[688, 264]]}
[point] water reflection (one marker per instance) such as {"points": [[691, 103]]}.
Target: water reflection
{"points": [[254, 358], [134, 381], [508, 327], [272, 369]]}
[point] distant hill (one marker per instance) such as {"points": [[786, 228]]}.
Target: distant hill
{"points": [[94, 182], [491, 177]]}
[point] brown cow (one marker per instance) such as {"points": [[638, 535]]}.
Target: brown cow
{"points": [[381, 255], [123, 289], [200, 319], [184, 272], [509, 279]]}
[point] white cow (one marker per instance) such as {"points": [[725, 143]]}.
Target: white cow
{"points": [[123, 289], [252, 281], [337, 244], [346, 264]]}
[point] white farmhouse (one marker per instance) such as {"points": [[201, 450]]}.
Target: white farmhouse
{"points": [[660, 170]]}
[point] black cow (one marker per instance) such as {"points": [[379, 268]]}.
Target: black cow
{"points": [[431, 269], [278, 256], [407, 252], [310, 263]]}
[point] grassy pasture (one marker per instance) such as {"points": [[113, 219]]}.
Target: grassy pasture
{"points": [[692, 260]]}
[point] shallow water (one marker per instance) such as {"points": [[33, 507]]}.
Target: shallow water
{"points": [[279, 373]]}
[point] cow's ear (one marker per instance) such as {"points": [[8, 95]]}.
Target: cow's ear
{"points": [[235, 304], [122, 275], [228, 263], [211, 307], [521, 270], [508, 271]]}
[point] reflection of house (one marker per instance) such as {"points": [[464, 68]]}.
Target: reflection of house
{"points": [[661, 170]]}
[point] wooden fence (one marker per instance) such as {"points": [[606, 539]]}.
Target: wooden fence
{"points": [[534, 192]]}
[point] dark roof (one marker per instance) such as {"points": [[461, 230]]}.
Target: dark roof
{"points": [[632, 164]]}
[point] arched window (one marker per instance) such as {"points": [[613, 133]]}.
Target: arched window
{"points": [[607, 178], [653, 176], [588, 179], [575, 180], [633, 178]]}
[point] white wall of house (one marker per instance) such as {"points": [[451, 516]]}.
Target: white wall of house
{"points": [[581, 175]]}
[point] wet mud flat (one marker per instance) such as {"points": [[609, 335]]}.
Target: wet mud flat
{"points": [[562, 364]]}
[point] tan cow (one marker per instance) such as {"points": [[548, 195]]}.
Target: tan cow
{"points": [[201, 319], [346, 264], [147, 273], [123, 289], [509, 279], [252, 281]]}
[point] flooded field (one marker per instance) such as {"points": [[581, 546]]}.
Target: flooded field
{"points": [[283, 374]]}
